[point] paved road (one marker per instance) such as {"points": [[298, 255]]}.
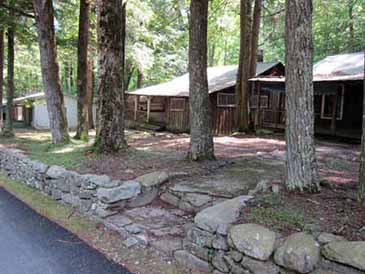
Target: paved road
{"points": [[31, 244]]}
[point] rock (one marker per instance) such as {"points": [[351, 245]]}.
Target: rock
{"points": [[133, 228], [234, 267], [130, 241], [235, 255], [327, 265], [259, 267], [62, 184], [190, 261], [197, 200], [198, 251], [86, 194], [56, 194], [219, 263], [142, 239], [325, 238], [300, 252], [348, 253], [101, 181], [39, 167], [85, 205], [56, 172], [322, 271], [200, 237], [222, 214], [147, 196], [253, 240], [153, 179], [167, 246], [220, 242], [126, 191], [169, 198]]}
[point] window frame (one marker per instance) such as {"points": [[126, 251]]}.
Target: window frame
{"points": [[221, 94], [342, 99]]}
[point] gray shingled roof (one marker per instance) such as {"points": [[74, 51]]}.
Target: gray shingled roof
{"points": [[219, 78]]}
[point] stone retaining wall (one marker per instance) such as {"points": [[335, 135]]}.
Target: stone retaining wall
{"points": [[215, 243], [92, 194]]}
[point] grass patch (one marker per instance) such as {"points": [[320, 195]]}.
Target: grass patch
{"points": [[281, 218], [39, 147]]}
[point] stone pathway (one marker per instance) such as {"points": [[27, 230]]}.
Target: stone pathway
{"points": [[158, 226]]}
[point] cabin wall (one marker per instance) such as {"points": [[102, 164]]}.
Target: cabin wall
{"points": [[177, 114], [224, 111]]}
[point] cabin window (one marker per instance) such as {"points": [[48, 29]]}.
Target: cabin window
{"points": [[264, 101], [177, 104], [226, 100], [327, 106]]}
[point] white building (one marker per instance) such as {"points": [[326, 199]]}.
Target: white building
{"points": [[32, 109]]}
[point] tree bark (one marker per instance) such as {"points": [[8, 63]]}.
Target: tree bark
{"points": [[362, 155], [242, 87], [139, 78], [301, 161], [201, 125], [90, 94], [8, 129], [111, 43], [50, 71], [255, 36], [82, 73], [1, 77]]}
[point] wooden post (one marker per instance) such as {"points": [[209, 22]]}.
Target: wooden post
{"points": [[257, 116], [148, 108], [135, 107], [334, 112]]}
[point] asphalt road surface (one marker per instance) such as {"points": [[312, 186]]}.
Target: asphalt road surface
{"points": [[31, 244]]}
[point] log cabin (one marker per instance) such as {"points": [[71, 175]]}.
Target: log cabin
{"points": [[338, 97], [167, 104]]}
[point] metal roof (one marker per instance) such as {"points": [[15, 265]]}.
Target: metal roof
{"points": [[219, 78], [341, 67]]}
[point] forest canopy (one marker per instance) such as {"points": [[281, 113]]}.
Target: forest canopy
{"points": [[157, 38]]}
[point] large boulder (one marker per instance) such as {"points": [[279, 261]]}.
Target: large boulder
{"points": [[219, 216], [348, 253], [253, 240], [126, 191], [153, 179], [299, 252]]}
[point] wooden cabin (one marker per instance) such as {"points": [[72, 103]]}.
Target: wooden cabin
{"points": [[338, 97], [167, 105]]}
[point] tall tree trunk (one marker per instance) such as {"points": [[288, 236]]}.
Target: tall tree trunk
{"points": [[362, 155], [139, 78], [255, 36], [1, 77], [8, 129], [111, 42], [82, 73], [301, 161], [201, 124], [50, 70], [90, 94], [242, 87]]}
